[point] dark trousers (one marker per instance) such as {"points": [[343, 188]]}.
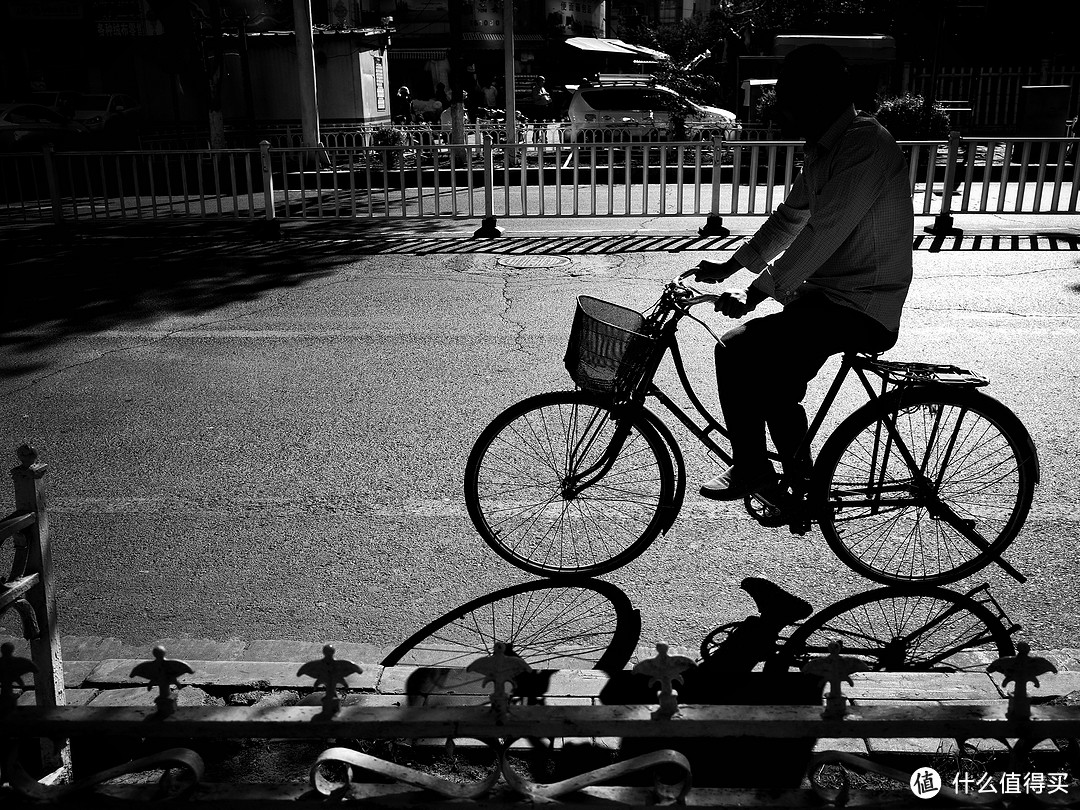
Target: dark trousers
{"points": [[763, 366]]}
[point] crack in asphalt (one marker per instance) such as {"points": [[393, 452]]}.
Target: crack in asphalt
{"points": [[518, 326], [1047, 316], [931, 276]]}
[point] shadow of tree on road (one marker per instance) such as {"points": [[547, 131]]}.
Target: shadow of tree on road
{"points": [[82, 286], [65, 282]]}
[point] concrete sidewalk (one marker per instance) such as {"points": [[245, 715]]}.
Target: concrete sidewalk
{"points": [[97, 673]]}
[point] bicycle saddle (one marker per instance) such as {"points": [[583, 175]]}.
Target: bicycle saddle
{"points": [[774, 603]]}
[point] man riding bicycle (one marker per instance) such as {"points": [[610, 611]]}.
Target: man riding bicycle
{"points": [[841, 263]]}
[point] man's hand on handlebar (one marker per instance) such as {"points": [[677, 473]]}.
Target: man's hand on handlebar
{"points": [[733, 303], [709, 272], [738, 302]]}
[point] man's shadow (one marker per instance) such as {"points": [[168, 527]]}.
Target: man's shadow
{"points": [[726, 676]]}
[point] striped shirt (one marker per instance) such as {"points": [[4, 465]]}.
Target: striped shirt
{"points": [[846, 226]]}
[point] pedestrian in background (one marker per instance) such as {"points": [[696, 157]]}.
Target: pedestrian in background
{"points": [[540, 95], [401, 106], [490, 95]]}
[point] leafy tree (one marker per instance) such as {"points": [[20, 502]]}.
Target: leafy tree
{"points": [[910, 118]]}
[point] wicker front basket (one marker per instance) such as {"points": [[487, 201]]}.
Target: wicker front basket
{"points": [[608, 349]]}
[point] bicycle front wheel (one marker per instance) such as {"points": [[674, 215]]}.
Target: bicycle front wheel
{"points": [[925, 485], [581, 625], [561, 484]]}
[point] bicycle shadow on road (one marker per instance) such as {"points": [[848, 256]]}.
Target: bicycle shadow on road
{"points": [[591, 626]]}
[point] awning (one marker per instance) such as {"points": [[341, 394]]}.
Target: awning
{"points": [[869, 48], [659, 56], [598, 46]]}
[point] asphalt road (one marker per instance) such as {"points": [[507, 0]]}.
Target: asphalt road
{"points": [[266, 440]]}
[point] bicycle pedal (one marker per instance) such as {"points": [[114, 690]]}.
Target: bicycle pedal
{"points": [[765, 512]]}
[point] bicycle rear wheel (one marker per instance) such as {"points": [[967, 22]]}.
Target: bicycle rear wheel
{"points": [[561, 485], [933, 500], [893, 630]]}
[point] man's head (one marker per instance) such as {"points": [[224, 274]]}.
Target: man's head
{"points": [[813, 89]]}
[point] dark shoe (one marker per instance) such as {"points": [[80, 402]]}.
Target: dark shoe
{"points": [[730, 486]]}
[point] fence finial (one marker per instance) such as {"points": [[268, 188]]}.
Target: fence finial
{"points": [[664, 670], [331, 673], [834, 669], [163, 673], [499, 669], [1021, 669]]}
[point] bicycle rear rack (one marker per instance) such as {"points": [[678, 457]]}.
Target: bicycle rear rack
{"points": [[905, 373]]}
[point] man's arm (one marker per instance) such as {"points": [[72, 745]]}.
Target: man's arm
{"points": [[771, 238], [859, 172], [779, 230]]}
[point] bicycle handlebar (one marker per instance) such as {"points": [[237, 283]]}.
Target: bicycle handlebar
{"points": [[686, 295]]}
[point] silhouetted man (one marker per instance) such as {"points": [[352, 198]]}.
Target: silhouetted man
{"points": [[836, 254]]}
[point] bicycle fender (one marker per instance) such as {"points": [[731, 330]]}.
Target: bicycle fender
{"points": [[678, 462]]}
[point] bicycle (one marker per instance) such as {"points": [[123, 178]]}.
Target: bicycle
{"points": [[928, 482]]}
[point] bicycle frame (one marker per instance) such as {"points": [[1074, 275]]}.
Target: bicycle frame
{"points": [[884, 445], [670, 343]]}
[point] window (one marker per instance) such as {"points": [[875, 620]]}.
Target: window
{"points": [[628, 98]]}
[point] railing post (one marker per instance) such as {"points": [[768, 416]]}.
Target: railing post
{"points": [[714, 224], [943, 222], [45, 652], [488, 229], [271, 227], [54, 187]]}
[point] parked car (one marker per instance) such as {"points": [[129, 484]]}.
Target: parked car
{"points": [[638, 110], [31, 126], [61, 101], [107, 112]]}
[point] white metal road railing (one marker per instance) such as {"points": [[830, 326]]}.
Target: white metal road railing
{"points": [[712, 178]]}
